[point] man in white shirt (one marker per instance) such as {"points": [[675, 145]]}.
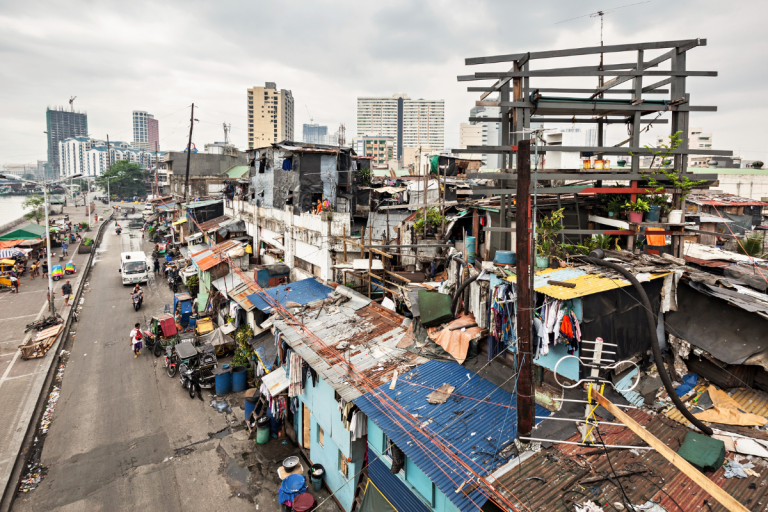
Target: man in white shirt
{"points": [[136, 338]]}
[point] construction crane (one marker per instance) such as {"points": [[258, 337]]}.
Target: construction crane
{"points": [[72, 103], [311, 119]]}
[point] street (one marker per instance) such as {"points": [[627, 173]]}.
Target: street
{"points": [[124, 436]]}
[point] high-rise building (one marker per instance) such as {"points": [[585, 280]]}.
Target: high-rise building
{"points": [[314, 134], [62, 124], [381, 149], [697, 139], [153, 134], [141, 124], [91, 157], [411, 123], [490, 133], [270, 115]]}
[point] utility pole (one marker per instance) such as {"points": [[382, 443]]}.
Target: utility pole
{"points": [[51, 295], [109, 155], [525, 394], [189, 150]]}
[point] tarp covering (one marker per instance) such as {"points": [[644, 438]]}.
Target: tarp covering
{"points": [[434, 307], [727, 411], [29, 231], [374, 501], [263, 344], [216, 338], [454, 337], [237, 226]]}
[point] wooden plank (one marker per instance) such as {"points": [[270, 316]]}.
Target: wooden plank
{"points": [[722, 497]]}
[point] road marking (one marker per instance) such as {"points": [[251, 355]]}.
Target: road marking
{"points": [[16, 355], [17, 317]]}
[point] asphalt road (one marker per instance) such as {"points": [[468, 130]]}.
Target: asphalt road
{"points": [[124, 436]]}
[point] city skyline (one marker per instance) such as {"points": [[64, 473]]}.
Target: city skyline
{"points": [[423, 62]]}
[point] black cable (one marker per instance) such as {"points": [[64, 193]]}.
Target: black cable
{"points": [[662, 490], [627, 501], [573, 505]]}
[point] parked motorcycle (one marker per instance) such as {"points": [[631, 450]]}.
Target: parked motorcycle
{"points": [[171, 364], [173, 280], [137, 300], [190, 380]]}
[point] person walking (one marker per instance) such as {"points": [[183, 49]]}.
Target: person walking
{"points": [[15, 283], [64, 246], [45, 268], [136, 338], [33, 270], [66, 292], [157, 266]]}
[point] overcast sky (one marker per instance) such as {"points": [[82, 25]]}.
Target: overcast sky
{"points": [[117, 57]]}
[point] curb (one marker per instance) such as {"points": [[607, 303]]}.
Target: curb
{"points": [[9, 493]]}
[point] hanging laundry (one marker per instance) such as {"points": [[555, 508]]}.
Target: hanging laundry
{"points": [[287, 164]]}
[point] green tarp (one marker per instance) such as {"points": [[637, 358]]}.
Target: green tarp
{"points": [[30, 231], [374, 501], [703, 452], [434, 308]]}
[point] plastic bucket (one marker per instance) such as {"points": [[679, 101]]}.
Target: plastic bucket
{"points": [[316, 475], [636, 217], [505, 258], [471, 241], [250, 405], [262, 430], [676, 217], [654, 214], [239, 381], [542, 261], [223, 381]]}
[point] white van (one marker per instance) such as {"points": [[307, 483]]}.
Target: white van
{"points": [[133, 267]]}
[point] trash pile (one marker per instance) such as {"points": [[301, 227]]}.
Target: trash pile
{"points": [[45, 423], [35, 473]]}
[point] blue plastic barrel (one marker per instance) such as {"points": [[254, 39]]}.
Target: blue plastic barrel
{"points": [[653, 214], [223, 381], [239, 382], [471, 249], [250, 405]]}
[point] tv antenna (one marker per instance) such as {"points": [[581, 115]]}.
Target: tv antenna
{"points": [[227, 129], [601, 14], [71, 103]]}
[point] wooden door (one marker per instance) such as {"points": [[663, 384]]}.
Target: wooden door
{"points": [[306, 430]]}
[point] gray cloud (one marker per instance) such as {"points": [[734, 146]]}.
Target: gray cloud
{"points": [[162, 57]]}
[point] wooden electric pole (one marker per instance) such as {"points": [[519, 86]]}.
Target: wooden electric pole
{"points": [[189, 150], [525, 395]]}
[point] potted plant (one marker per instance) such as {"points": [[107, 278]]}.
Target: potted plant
{"points": [[636, 210], [657, 202], [614, 206], [547, 229], [621, 163]]}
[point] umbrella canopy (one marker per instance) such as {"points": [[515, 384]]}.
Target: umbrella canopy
{"points": [[10, 253], [57, 271]]}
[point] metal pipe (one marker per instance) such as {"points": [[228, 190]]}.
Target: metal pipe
{"points": [[596, 258], [460, 290]]}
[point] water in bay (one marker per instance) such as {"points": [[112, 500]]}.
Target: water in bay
{"points": [[10, 208]]}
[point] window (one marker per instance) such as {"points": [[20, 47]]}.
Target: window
{"points": [[343, 465], [320, 436]]}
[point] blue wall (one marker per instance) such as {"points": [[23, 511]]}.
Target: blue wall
{"points": [[324, 412], [424, 495]]}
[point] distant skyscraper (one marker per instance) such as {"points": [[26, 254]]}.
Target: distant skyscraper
{"points": [[314, 133], [153, 134], [141, 129], [412, 123], [270, 115], [491, 133], [62, 124]]}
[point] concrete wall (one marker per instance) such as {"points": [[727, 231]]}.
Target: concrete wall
{"points": [[415, 479], [324, 412], [202, 164], [754, 186]]}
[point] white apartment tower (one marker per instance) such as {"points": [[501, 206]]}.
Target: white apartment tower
{"points": [[411, 123]]}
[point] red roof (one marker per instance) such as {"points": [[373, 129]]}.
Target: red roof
{"points": [[216, 257]]}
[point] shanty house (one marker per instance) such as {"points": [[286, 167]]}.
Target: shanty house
{"points": [[354, 347]]}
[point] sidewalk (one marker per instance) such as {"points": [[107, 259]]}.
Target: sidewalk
{"points": [[22, 382]]}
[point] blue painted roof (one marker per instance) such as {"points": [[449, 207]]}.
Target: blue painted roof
{"points": [[301, 292], [476, 429]]}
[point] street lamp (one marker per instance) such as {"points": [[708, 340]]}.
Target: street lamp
{"points": [[44, 186]]}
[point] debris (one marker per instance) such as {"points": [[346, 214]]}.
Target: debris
{"points": [[588, 506], [726, 410], [440, 395], [221, 406], [734, 469]]}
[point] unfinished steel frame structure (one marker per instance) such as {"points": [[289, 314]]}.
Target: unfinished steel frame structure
{"points": [[522, 103]]}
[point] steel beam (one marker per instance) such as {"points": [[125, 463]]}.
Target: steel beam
{"points": [[564, 72], [589, 50], [617, 109], [570, 91], [605, 150]]}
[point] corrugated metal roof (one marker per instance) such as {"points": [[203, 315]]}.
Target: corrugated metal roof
{"points": [[214, 223], [372, 333], [240, 295], [750, 400], [237, 171], [199, 204], [227, 283], [473, 424], [707, 263], [560, 463], [586, 284], [212, 257], [301, 292]]}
